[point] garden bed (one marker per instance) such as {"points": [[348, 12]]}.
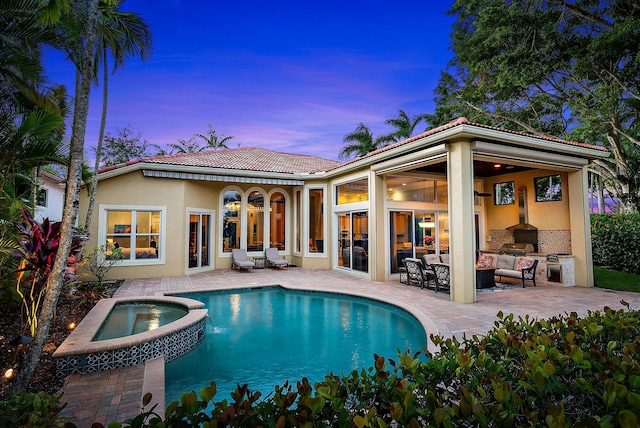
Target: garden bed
{"points": [[73, 306]]}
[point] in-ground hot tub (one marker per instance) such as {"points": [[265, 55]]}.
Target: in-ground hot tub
{"points": [[171, 338], [129, 318]]}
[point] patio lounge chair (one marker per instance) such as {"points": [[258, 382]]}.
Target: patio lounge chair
{"points": [[274, 259], [240, 260]]}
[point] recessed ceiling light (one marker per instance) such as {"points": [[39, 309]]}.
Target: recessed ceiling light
{"points": [[497, 165], [404, 184], [510, 167]]}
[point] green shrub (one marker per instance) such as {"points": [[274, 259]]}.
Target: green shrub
{"points": [[616, 241], [30, 410], [561, 372]]}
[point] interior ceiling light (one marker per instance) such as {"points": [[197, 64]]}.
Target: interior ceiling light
{"points": [[497, 165]]}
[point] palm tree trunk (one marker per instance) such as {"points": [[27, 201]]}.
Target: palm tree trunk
{"points": [[70, 212], [34, 189], [103, 123]]}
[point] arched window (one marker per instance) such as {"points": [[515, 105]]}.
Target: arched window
{"points": [[232, 215], [277, 221], [255, 221]]}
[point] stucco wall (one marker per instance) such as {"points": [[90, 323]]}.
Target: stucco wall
{"points": [[137, 190], [178, 196], [55, 201], [543, 215]]}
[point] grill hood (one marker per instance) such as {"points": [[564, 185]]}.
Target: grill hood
{"points": [[522, 226], [522, 212]]}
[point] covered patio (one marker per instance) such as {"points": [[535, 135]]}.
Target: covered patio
{"points": [[466, 187]]}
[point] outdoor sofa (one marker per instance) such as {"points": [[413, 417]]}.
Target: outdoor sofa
{"points": [[523, 268]]}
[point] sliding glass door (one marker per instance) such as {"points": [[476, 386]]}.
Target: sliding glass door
{"points": [[400, 238], [199, 245], [353, 240]]}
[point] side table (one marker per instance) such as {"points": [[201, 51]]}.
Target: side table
{"points": [[485, 277], [260, 262]]}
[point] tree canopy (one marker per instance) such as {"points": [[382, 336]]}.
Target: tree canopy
{"points": [[360, 142], [568, 69], [123, 147]]}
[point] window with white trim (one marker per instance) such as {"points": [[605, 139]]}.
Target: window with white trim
{"points": [[137, 232]]}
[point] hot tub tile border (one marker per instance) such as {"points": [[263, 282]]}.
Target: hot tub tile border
{"points": [[78, 354]]}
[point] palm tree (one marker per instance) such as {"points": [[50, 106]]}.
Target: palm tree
{"points": [[27, 146], [22, 35], [125, 35], [84, 60], [405, 126], [360, 142], [213, 140], [160, 151], [185, 146]]}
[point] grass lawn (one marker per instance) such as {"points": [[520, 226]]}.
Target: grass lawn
{"points": [[616, 280]]}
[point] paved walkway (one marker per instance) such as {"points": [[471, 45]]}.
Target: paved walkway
{"points": [[116, 395]]}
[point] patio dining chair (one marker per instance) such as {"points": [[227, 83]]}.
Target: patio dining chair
{"points": [[427, 261], [274, 259], [241, 260], [443, 277], [416, 274]]}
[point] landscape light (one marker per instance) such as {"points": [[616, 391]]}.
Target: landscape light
{"points": [[8, 374]]}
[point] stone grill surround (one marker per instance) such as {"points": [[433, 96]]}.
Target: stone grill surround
{"points": [[549, 241]]}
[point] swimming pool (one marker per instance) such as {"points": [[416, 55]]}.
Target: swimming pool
{"points": [[264, 337]]}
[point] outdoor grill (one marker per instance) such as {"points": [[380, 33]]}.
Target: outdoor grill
{"points": [[517, 249]]}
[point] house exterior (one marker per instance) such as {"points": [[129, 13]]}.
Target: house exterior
{"points": [[50, 198], [456, 189]]}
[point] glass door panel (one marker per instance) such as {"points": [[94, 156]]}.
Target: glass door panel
{"points": [[344, 240], [360, 248], [425, 233], [443, 232], [199, 239], [400, 238], [205, 234]]}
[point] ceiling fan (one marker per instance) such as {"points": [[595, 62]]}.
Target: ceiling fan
{"points": [[481, 194]]}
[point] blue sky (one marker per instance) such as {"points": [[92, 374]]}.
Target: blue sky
{"points": [[293, 76]]}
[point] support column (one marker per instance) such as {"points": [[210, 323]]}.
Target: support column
{"points": [[580, 221], [377, 237], [461, 221]]}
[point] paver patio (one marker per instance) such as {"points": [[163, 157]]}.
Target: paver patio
{"points": [[117, 394]]}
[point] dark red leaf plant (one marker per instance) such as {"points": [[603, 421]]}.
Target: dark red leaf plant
{"points": [[37, 248]]}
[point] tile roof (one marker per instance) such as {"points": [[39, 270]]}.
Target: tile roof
{"points": [[258, 159], [465, 121], [243, 159]]}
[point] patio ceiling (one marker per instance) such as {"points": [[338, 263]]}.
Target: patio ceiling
{"points": [[482, 169]]}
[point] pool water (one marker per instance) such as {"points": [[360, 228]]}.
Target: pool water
{"points": [[264, 337], [126, 319]]}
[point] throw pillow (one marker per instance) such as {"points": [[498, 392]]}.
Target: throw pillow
{"points": [[524, 263], [485, 261]]}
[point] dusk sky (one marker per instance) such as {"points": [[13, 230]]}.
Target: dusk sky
{"points": [[292, 76]]}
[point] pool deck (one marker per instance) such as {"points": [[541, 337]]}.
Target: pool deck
{"points": [[117, 394]]}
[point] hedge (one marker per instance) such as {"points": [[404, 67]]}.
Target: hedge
{"points": [[616, 241]]}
